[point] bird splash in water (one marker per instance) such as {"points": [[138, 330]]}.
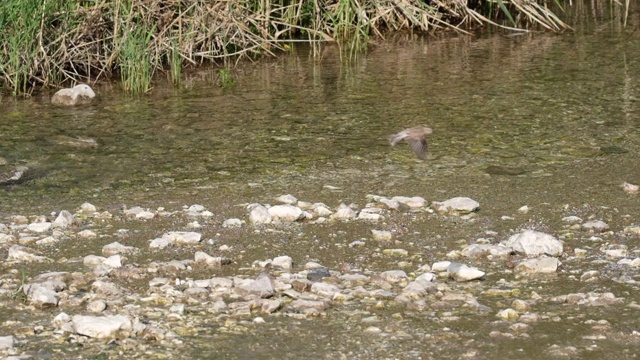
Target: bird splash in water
{"points": [[417, 139]]}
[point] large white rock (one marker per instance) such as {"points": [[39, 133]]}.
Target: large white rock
{"points": [[461, 272], [463, 205], [259, 215], [23, 254], [534, 243], [77, 95], [176, 237], [64, 219], [285, 213], [39, 227], [101, 326], [414, 202], [6, 342], [486, 250]]}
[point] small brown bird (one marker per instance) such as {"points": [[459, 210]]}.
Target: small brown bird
{"points": [[417, 139]]}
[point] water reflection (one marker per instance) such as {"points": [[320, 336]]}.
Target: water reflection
{"points": [[528, 102]]}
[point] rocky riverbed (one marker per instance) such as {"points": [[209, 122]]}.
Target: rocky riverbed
{"points": [[152, 283]]}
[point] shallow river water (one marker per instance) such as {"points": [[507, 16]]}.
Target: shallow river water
{"points": [[543, 120]]}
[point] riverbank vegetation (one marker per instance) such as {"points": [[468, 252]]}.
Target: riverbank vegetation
{"points": [[53, 42]]}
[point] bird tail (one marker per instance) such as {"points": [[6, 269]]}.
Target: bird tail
{"points": [[394, 139]]}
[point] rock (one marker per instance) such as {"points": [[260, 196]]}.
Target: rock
{"points": [[262, 286], [414, 202], [461, 272], [12, 175], [320, 209], [113, 261], [101, 327], [344, 212], [542, 264], [615, 250], [259, 215], [233, 222], [572, 219], [88, 209], [523, 210], [318, 274], [462, 205], [6, 342], [24, 254], [394, 276], [210, 260], [485, 250], [283, 262], [176, 237], [139, 213], [324, 289], [78, 95], [381, 235], [97, 306], [440, 266], [534, 243], [632, 229], [287, 199], [43, 290], [285, 213], [63, 220], [117, 248], [39, 227], [596, 225], [371, 214], [630, 188], [76, 142], [508, 314], [87, 234]]}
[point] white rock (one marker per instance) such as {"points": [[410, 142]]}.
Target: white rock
{"points": [[6, 342], [114, 261], [394, 276], [208, 259], [39, 227], [285, 213], [287, 199], [461, 205], [21, 253], [381, 235], [524, 209], [96, 306], [440, 266], [117, 248], [596, 225], [101, 326], [486, 250], [572, 219], [344, 212], [414, 202], [259, 215], [88, 208], [77, 95], [508, 314], [93, 260], [262, 286], [534, 243], [320, 209], [461, 272], [542, 264], [370, 214], [283, 262], [233, 222], [87, 234], [63, 220], [324, 289]]}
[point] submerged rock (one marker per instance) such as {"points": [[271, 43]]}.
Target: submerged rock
{"points": [[543, 264], [77, 95]]}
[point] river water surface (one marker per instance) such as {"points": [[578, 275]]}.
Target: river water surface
{"points": [[543, 120]]}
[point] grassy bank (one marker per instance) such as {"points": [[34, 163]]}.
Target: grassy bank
{"points": [[52, 42]]}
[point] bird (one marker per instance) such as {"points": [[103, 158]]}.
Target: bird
{"points": [[416, 137]]}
